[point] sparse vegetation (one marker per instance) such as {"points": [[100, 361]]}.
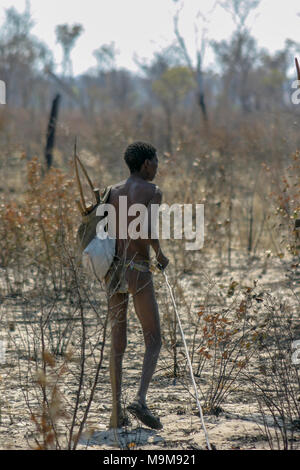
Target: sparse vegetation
{"points": [[238, 296]]}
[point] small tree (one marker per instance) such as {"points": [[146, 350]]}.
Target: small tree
{"points": [[170, 89], [106, 57], [22, 56], [238, 55], [66, 37], [239, 10], [197, 71]]}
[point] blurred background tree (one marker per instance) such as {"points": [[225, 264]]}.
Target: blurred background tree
{"points": [[22, 60], [67, 36]]}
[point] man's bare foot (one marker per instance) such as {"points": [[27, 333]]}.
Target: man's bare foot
{"points": [[142, 412]]}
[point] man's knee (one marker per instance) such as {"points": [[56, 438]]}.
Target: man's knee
{"points": [[118, 338], [118, 346]]}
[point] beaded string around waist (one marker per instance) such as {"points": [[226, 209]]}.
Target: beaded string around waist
{"points": [[139, 265]]}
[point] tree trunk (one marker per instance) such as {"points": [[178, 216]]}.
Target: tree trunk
{"points": [[51, 131]]}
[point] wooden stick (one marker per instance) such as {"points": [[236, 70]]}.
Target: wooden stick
{"points": [[87, 177], [80, 207], [78, 180]]}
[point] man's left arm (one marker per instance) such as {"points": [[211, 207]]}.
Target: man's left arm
{"points": [[153, 236]]}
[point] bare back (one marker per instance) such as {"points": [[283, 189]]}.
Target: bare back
{"points": [[137, 191]]}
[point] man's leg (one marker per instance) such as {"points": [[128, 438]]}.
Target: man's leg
{"points": [[142, 289], [117, 309]]}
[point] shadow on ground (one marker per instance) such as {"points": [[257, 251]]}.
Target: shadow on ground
{"points": [[122, 438]]}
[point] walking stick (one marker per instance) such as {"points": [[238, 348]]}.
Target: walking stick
{"points": [[188, 359]]}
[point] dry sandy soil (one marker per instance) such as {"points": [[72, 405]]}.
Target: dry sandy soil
{"points": [[238, 425]]}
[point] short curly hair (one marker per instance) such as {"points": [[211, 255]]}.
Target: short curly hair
{"points": [[137, 153]]}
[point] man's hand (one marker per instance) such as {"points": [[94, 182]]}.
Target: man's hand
{"points": [[162, 261]]}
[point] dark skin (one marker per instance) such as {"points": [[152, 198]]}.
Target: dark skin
{"points": [[138, 189]]}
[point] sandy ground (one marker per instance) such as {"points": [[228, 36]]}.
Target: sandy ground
{"points": [[238, 425]]}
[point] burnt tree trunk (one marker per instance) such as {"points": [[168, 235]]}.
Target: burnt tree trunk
{"points": [[201, 95], [51, 131]]}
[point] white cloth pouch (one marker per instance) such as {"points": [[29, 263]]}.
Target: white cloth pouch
{"points": [[98, 256]]}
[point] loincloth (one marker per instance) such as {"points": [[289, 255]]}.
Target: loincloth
{"points": [[115, 280]]}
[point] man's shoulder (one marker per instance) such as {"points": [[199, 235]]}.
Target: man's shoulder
{"points": [[119, 185], [154, 194], [152, 191], [151, 187], [141, 191]]}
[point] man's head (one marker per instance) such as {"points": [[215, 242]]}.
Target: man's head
{"points": [[141, 158]]}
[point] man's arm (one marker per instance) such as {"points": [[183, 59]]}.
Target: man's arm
{"points": [[153, 236]]}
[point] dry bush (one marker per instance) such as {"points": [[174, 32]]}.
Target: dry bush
{"points": [[274, 379], [287, 204], [54, 317], [222, 329]]}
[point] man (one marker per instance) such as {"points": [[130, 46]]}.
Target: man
{"points": [[130, 274]]}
